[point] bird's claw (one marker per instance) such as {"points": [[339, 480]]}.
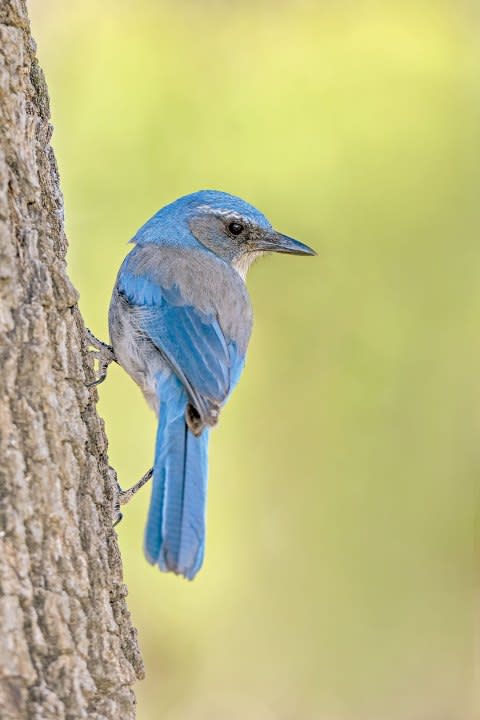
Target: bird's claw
{"points": [[124, 496], [96, 382], [103, 353]]}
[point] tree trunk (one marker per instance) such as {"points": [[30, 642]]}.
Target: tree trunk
{"points": [[67, 646]]}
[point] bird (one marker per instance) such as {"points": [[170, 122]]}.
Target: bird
{"points": [[180, 320]]}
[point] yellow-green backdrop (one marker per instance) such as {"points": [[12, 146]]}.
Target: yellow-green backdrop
{"points": [[339, 581]]}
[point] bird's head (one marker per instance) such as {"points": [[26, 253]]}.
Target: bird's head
{"points": [[225, 224]]}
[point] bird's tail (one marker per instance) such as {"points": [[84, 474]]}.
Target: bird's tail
{"points": [[175, 532]]}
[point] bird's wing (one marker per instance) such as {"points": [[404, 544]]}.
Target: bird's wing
{"points": [[190, 341]]}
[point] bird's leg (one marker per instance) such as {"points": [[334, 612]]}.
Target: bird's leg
{"points": [[124, 496], [103, 353]]}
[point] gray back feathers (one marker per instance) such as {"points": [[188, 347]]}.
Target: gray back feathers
{"points": [[203, 280]]}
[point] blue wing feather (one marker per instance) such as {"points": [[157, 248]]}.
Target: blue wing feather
{"points": [[191, 341]]}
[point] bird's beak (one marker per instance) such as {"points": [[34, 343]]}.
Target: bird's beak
{"points": [[276, 242]]}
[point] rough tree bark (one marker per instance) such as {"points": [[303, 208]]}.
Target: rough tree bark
{"points": [[67, 646]]}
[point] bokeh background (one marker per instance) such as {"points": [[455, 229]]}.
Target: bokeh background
{"points": [[342, 554]]}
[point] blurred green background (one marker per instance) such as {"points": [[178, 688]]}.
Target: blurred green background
{"points": [[342, 550]]}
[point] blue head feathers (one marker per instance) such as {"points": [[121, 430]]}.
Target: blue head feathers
{"points": [[225, 224]]}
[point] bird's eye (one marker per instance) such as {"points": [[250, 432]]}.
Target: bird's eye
{"points": [[235, 228]]}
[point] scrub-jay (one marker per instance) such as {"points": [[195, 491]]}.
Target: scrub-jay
{"points": [[180, 321]]}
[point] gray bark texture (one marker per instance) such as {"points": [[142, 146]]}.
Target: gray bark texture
{"points": [[67, 645]]}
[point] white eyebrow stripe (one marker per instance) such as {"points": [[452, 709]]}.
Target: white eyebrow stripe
{"points": [[224, 213]]}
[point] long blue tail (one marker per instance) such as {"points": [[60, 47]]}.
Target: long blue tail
{"points": [[175, 532]]}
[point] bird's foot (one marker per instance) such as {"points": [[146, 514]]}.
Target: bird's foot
{"points": [[103, 353], [124, 496]]}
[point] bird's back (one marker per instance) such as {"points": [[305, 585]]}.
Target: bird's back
{"points": [[190, 277]]}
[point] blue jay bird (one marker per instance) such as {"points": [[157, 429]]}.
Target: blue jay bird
{"points": [[180, 321]]}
